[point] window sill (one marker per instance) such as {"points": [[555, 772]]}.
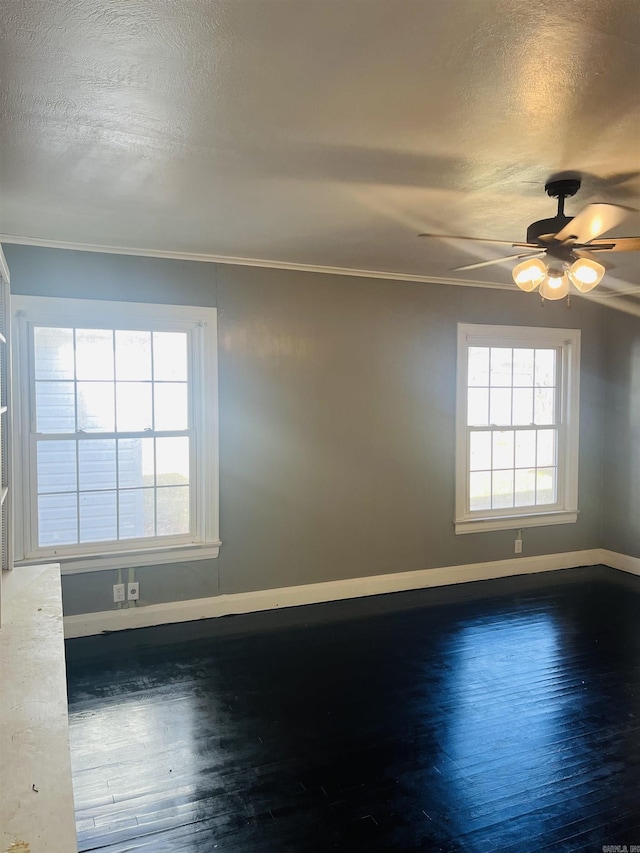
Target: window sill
{"points": [[75, 564], [515, 522]]}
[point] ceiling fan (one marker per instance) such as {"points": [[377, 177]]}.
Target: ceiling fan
{"points": [[563, 249]]}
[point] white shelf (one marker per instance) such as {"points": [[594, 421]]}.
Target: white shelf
{"points": [[34, 736]]}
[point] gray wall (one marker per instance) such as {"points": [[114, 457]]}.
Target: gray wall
{"points": [[621, 453], [38, 271], [336, 420]]}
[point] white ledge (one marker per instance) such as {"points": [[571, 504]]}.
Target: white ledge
{"points": [[514, 522], [72, 564], [36, 801]]}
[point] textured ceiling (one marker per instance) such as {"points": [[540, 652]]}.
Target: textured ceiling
{"points": [[316, 132]]}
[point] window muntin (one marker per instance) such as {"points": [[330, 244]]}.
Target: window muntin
{"points": [[119, 437], [517, 426]]}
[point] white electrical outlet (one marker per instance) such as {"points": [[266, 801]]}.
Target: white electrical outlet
{"points": [[118, 592], [133, 590], [518, 546]]}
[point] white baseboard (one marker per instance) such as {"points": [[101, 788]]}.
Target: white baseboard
{"points": [[87, 624], [623, 562]]}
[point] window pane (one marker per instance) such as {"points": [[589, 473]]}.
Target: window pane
{"points": [[523, 367], [94, 354], [544, 406], [502, 494], [98, 519], [525, 449], [478, 366], [172, 461], [500, 411], [135, 462], [133, 355], [170, 356], [501, 365], [546, 486], [480, 490], [53, 350], [55, 407], [523, 406], [97, 464], [546, 447], [503, 449], [478, 407], [96, 407], [525, 487], [545, 372], [57, 520], [137, 513], [133, 401], [480, 451], [56, 466], [172, 510], [171, 405]]}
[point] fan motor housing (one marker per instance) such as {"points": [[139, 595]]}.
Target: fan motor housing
{"points": [[546, 227]]}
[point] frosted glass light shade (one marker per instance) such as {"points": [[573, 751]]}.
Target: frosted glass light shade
{"points": [[529, 274], [555, 286], [586, 274]]}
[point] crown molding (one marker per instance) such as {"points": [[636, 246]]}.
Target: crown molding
{"points": [[618, 298], [252, 262]]}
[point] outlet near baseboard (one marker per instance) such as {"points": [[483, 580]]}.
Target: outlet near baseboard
{"points": [[518, 546]]}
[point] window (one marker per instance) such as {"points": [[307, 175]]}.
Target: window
{"points": [[118, 432], [517, 427]]}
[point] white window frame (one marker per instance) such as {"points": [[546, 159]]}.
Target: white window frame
{"points": [[6, 483], [565, 510], [201, 324]]}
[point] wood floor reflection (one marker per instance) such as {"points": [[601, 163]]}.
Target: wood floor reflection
{"points": [[495, 716]]}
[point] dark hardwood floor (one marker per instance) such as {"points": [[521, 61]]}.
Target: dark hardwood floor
{"points": [[488, 717]]}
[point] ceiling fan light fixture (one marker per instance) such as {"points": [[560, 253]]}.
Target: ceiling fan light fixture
{"points": [[555, 285], [529, 274], [564, 243], [586, 274]]}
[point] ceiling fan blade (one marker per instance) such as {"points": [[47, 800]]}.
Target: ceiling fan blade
{"points": [[498, 261], [472, 239], [594, 220], [616, 244]]}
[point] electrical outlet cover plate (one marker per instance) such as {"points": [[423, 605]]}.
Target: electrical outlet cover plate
{"points": [[133, 591], [118, 592]]}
